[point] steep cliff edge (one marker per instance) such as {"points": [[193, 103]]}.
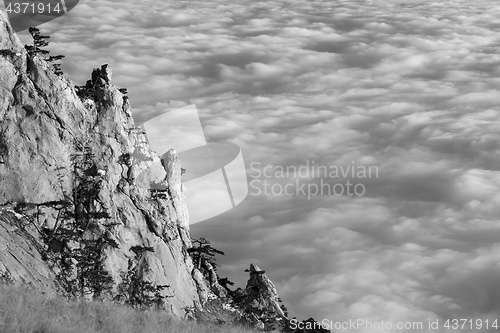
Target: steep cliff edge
{"points": [[43, 126], [88, 210]]}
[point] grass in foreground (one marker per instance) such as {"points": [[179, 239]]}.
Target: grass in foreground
{"points": [[25, 311]]}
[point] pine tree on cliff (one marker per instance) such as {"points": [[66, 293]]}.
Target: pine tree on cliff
{"points": [[92, 275], [202, 252], [79, 253], [39, 42], [136, 292]]}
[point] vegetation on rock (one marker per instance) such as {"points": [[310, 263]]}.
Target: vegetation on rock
{"points": [[90, 210], [77, 242], [136, 292], [203, 253], [37, 48]]}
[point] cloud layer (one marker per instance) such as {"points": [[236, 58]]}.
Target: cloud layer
{"points": [[408, 87]]}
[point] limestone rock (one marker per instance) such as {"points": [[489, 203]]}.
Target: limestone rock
{"points": [[261, 291], [20, 258], [43, 125], [172, 165], [213, 281], [259, 302]]}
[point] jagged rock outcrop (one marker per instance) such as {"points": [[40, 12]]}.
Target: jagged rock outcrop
{"points": [[72, 156], [259, 302], [43, 124], [213, 282], [261, 306], [261, 292]]}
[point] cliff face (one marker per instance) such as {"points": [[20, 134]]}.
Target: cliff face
{"points": [[43, 125], [72, 162]]}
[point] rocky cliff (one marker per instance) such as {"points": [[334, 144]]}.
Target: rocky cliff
{"points": [[44, 128], [260, 301], [86, 206]]}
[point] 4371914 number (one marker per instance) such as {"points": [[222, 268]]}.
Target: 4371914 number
{"points": [[32, 8], [471, 324]]}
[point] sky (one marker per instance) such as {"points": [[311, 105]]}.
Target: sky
{"points": [[406, 88]]}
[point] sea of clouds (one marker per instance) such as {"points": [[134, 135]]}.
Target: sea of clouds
{"points": [[411, 87]]}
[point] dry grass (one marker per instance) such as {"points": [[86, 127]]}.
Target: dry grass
{"points": [[24, 311]]}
